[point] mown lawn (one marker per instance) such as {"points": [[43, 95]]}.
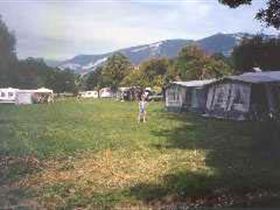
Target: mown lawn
{"points": [[93, 153]]}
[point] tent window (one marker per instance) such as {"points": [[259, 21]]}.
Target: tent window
{"points": [[173, 94], [239, 99]]}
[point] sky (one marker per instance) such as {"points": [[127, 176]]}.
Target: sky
{"points": [[55, 29]]}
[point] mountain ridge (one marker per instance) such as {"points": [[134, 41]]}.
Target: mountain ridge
{"points": [[217, 43]]}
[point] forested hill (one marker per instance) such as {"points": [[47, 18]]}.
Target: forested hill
{"points": [[218, 43]]}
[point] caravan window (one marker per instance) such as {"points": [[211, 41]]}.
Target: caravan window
{"points": [[10, 94], [3, 94]]}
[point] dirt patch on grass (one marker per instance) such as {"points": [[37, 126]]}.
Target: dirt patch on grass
{"points": [[104, 172]]}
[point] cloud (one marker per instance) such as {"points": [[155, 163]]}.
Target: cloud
{"points": [[61, 29]]}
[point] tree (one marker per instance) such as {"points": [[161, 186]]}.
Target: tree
{"points": [[193, 64], [63, 81], [115, 69], [257, 52], [7, 55], [154, 71], [269, 15], [134, 78], [94, 79]]}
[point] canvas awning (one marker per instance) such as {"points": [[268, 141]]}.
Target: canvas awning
{"points": [[194, 83], [257, 77]]}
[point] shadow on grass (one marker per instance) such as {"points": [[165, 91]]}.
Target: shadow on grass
{"points": [[244, 157]]}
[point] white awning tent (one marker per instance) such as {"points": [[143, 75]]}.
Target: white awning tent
{"points": [[106, 93], [242, 96], [31, 96], [43, 90], [187, 95], [24, 97]]}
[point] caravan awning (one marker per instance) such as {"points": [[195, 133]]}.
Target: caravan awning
{"points": [[257, 77], [194, 83]]}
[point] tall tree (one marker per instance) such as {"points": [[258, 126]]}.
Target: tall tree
{"points": [[7, 55], [193, 64], [115, 69], [93, 80], [269, 15], [257, 52], [154, 71]]}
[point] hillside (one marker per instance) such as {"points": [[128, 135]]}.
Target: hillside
{"points": [[218, 43]]}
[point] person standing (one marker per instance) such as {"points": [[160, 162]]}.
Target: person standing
{"points": [[142, 109]]}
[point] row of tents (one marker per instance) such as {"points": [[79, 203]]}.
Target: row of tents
{"points": [[25, 96], [251, 95]]}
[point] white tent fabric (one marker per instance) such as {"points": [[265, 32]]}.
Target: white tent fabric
{"points": [[194, 83]]}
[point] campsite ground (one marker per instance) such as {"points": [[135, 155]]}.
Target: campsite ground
{"points": [[94, 153]]}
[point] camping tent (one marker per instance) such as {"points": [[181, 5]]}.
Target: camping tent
{"points": [[246, 96], [106, 93], [41, 95], [7, 95], [24, 97], [183, 96]]}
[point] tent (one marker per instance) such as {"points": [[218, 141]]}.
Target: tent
{"points": [[24, 97], [41, 95], [106, 93], [246, 96], [7, 95], [186, 96]]}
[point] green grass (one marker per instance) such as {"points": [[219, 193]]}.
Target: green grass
{"points": [[94, 153]]}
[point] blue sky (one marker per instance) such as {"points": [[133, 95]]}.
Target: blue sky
{"points": [[62, 29]]}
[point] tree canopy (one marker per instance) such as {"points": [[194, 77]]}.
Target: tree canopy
{"points": [[269, 15], [257, 52], [115, 69], [7, 55], [194, 64]]}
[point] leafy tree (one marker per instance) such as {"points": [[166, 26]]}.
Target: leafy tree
{"points": [[7, 55], [30, 73], [134, 78], [270, 15], [154, 71], [193, 64], [62, 81], [93, 79], [115, 69], [257, 52]]}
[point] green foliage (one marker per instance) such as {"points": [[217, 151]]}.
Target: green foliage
{"points": [[7, 55], [257, 52], [193, 64], [93, 80], [115, 69], [134, 78], [235, 3], [269, 15]]}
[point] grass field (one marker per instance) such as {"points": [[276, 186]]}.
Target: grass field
{"points": [[93, 153]]}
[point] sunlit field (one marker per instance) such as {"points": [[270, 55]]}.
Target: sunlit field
{"points": [[93, 153]]}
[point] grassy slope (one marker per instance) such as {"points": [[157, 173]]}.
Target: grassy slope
{"points": [[95, 153]]}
